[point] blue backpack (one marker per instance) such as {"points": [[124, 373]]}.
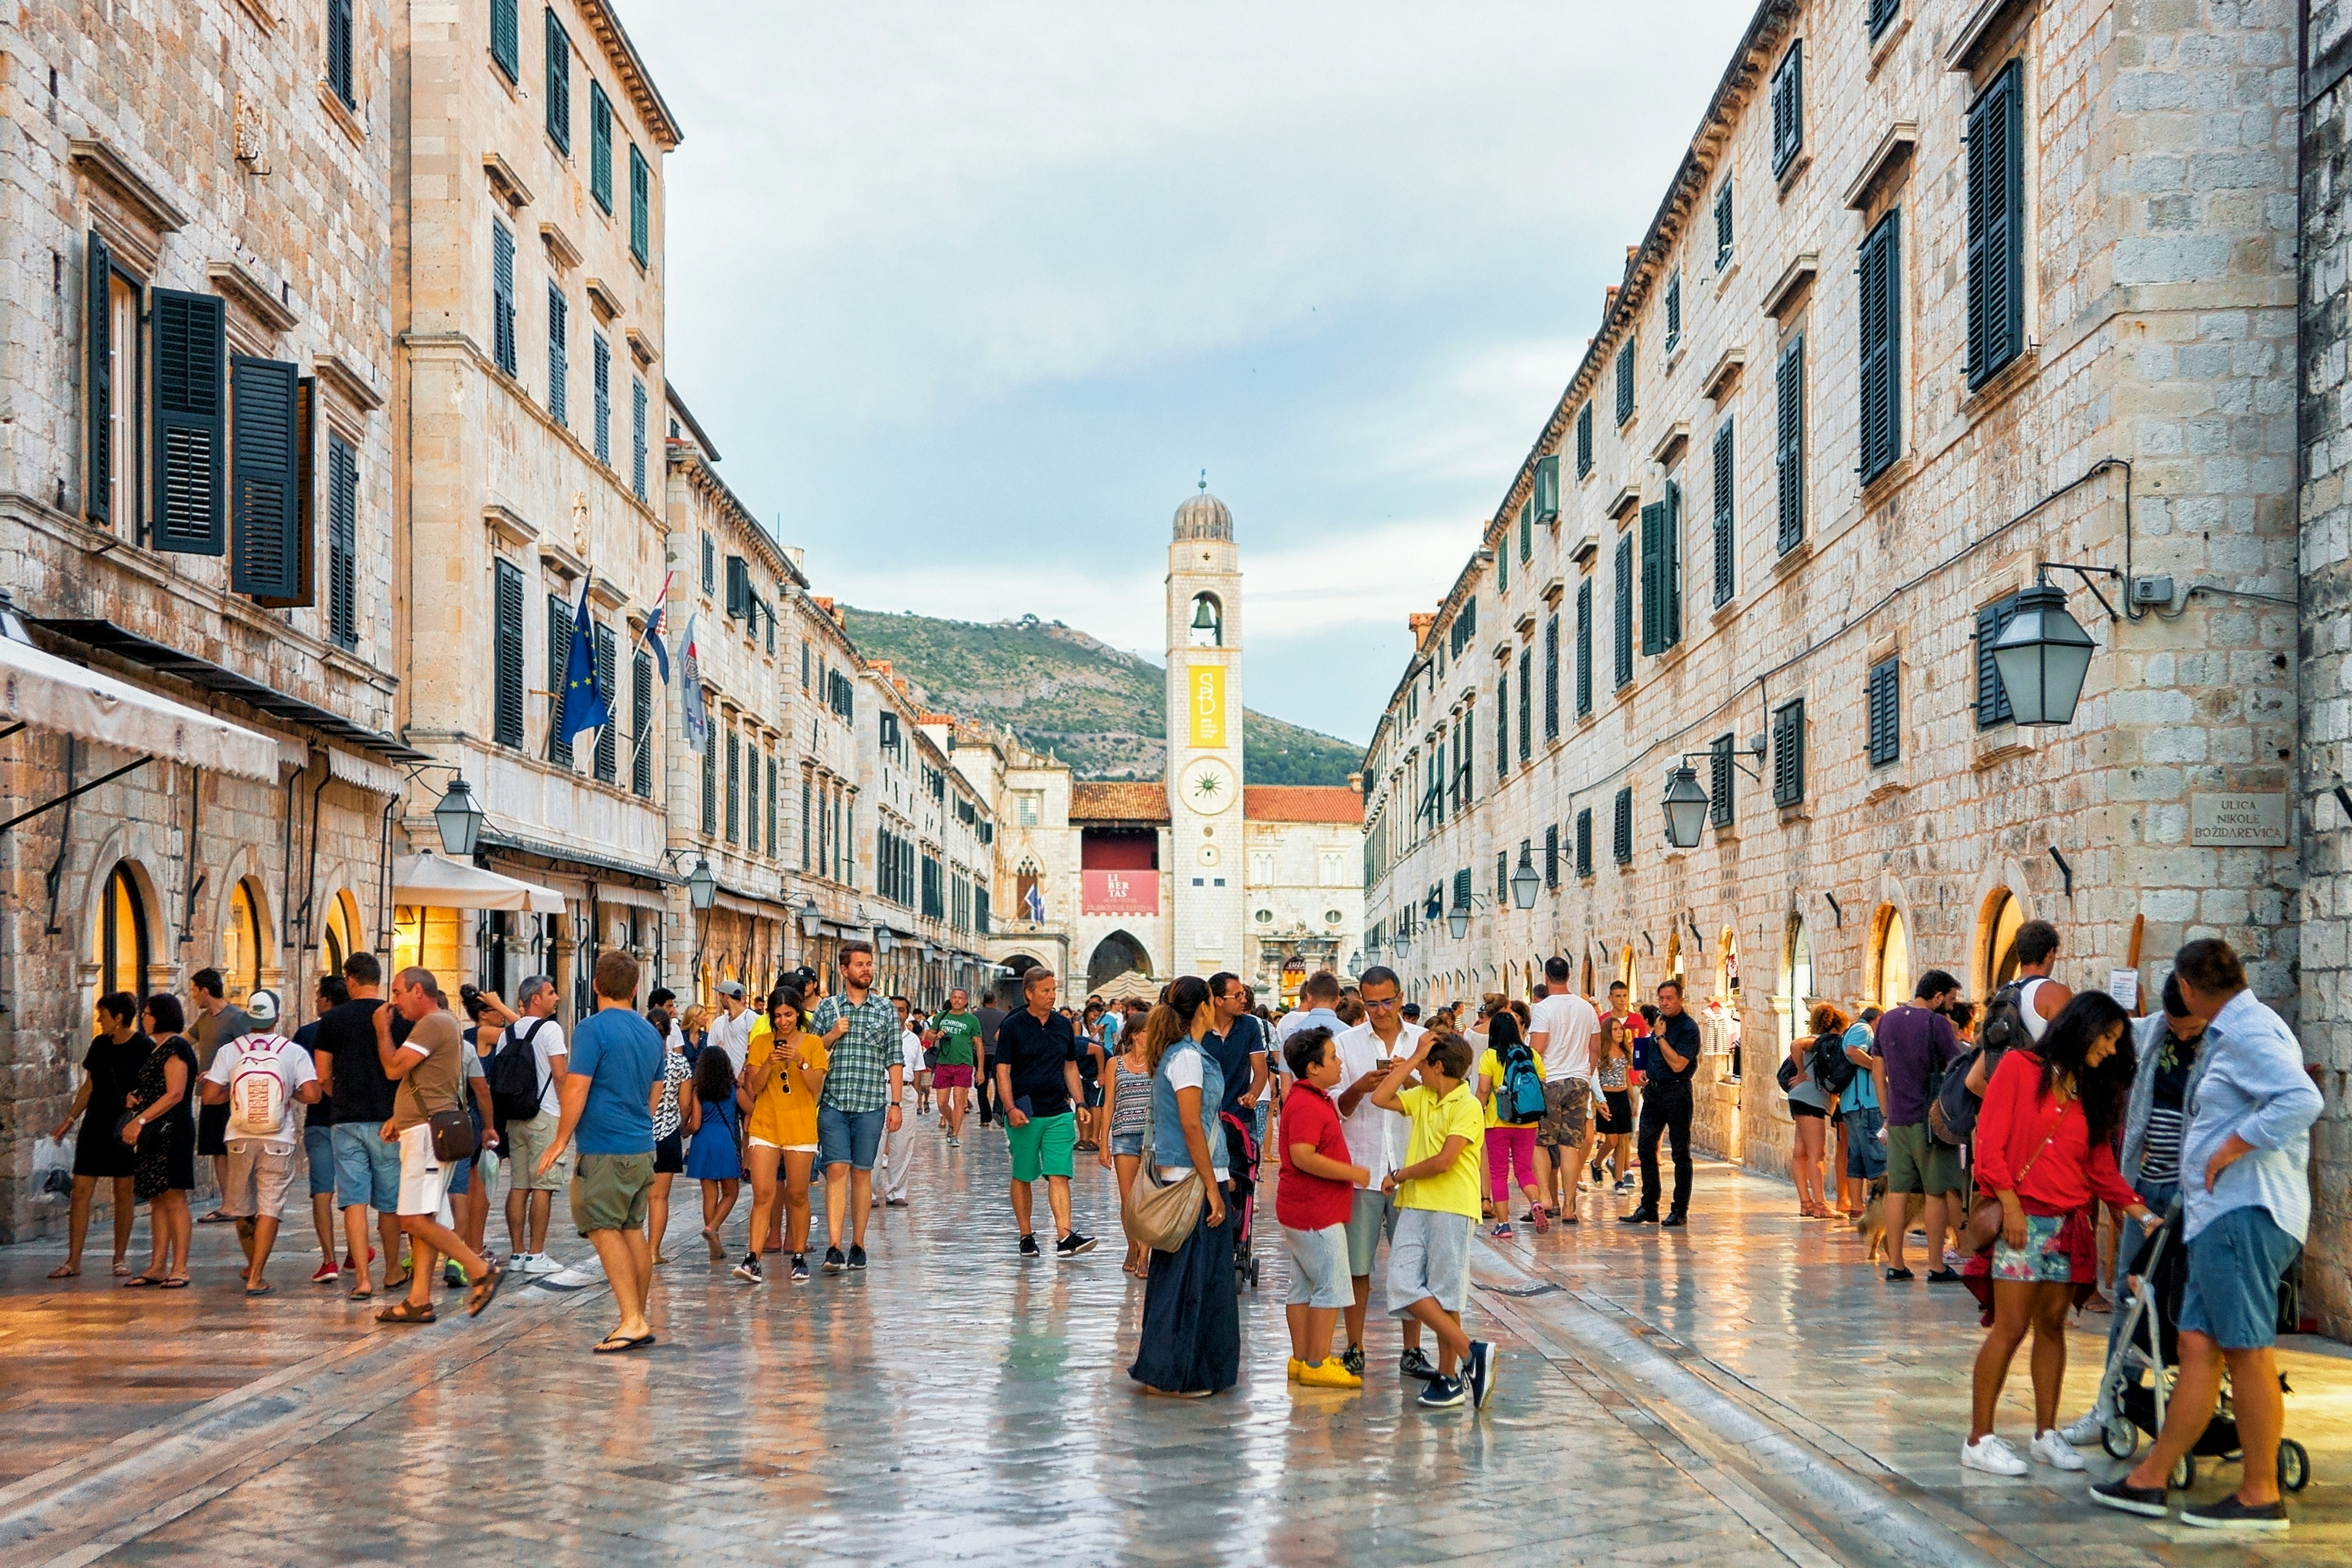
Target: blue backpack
{"points": [[1520, 1100]]}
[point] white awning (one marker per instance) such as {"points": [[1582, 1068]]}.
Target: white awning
{"points": [[53, 693], [433, 882]]}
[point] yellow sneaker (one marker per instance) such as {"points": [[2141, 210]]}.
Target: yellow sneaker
{"points": [[1328, 1374], [1297, 1366]]}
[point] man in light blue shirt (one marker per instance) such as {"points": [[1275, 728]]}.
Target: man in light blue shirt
{"points": [[2245, 1210]]}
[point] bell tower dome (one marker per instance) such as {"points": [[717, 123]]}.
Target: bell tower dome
{"points": [[1204, 738]]}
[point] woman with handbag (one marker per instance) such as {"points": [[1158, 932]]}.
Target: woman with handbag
{"points": [[161, 1128], [1190, 1344], [2044, 1154]]}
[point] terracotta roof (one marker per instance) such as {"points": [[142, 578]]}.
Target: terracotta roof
{"points": [[1300, 803], [1118, 801]]}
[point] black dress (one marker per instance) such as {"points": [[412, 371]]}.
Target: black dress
{"points": [[113, 1071], [166, 1158]]}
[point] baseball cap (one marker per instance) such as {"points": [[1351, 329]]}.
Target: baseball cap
{"points": [[261, 1006], [730, 988]]}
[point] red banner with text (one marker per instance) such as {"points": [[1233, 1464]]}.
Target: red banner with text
{"points": [[1121, 892]]}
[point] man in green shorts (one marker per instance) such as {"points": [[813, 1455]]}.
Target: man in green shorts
{"points": [[1036, 1085], [1914, 1045], [959, 1054]]}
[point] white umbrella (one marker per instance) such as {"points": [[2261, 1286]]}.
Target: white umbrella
{"points": [[432, 881]]}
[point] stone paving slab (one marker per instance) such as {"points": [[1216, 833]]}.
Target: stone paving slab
{"points": [[956, 1405]]}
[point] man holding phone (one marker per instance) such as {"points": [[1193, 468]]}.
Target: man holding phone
{"points": [[1376, 1140], [1036, 1085]]}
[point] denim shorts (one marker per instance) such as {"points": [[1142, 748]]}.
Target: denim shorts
{"points": [[367, 1169], [1127, 1143], [851, 1138], [2235, 1264], [1865, 1156], [319, 1145]]}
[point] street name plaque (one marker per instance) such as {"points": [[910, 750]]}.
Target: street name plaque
{"points": [[2237, 821]]}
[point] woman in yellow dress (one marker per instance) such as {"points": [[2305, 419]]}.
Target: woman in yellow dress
{"points": [[783, 1072]]}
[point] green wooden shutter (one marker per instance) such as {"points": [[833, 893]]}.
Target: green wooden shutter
{"points": [[506, 40], [1880, 371], [734, 787], [1789, 753], [1584, 440], [1654, 587], [338, 53], [1584, 842], [1723, 238], [502, 306], [190, 345], [1624, 668], [97, 378], [1670, 575], [1527, 529], [505, 657], [1551, 677], [710, 796], [600, 145], [1621, 828], [637, 437], [559, 355], [1673, 310], [1503, 723], [1552, 855], [1996, 216], [343, 543], [1526, 704], [559, 84], [1789, 445], [1502, 574], [1726, 494], [641, 207], [1721, 779], [267, 516], [1547, 488], [604, 412], [1625, 382], [1584, 647], [1789, 109], [608, 737], [1886, 712], [641, 725], [1881, 15], [1992, 696], [559, 654]]}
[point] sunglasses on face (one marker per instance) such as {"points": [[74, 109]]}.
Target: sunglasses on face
{"points": [[1381, 1006]]}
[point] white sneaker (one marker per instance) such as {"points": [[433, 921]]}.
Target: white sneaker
{"points": [[2084, 1428], [1992, 1455], [545, 1263], [2052, 1449]]}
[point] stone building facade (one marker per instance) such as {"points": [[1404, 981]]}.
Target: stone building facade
{"points": [[195, 499], [920, 843], [1830, 426]]}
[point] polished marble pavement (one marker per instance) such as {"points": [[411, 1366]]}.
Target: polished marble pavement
{"points": [[1744, 1392]]}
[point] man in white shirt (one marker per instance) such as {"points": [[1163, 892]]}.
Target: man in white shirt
{"points": [[531, 1195], [260, 1078], [898, 1148], [731, 1030], [1378, 1140], [1561, 1029]]}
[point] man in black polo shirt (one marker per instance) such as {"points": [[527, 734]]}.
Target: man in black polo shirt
{"points": [[1036, 1066], [983, 1077], [367, 1169], [1667, 1105]]}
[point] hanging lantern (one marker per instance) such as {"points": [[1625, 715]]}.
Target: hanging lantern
{"points": [[1685, 805], [2042, 656]]}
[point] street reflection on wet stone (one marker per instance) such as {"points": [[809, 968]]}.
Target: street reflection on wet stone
{"points": [[1739, 1394]]}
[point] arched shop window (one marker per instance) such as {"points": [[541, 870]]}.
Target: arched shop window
{"points": [[1998, 955], [1796, 980], [340, 940], [1892, 959], [240, 957], [123, 950]]}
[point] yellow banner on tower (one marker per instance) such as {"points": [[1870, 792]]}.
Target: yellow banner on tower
{"points": [[1208, 704]]}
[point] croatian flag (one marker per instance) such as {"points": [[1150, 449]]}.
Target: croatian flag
{"points": [[653, 627], [697, 718]]}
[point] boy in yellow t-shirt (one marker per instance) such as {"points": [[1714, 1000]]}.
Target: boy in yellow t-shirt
{"points": [[1436, 1196]]}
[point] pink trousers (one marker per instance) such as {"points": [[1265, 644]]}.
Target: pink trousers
{"points": [[1507, 1147]]}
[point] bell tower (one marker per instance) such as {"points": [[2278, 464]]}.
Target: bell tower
{"points": [[1205, 739]]}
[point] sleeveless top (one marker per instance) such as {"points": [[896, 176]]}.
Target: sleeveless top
{"points": [[2035, 1022], [1132, 1093]]}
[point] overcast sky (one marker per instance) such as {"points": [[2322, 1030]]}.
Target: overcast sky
{"points": [[969, 294]]}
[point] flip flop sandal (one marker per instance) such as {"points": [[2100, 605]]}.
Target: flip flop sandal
{"points": [[122, 1269], [617, 1344], [259, 1290], [140, 1283], [361, 1293], [176, 1282], [485, 1290], [64, 1271], [401, 1312]]}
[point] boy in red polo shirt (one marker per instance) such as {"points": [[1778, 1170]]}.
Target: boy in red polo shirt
{"points": [[1317, 1194]]}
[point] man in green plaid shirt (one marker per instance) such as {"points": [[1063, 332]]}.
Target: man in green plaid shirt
{"points": [[861, 1099]]}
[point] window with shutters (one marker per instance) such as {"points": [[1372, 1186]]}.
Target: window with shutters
{"points": [[637, 437], [1662, 593], [1788, 97], [502, 300], [608, 738], [338, 53], [1996, 218], [112, 389], [1992, 697], [1882, 16], [506, 655], [1551, 677], [1527, 705], [1584, 842], [267, 554], [641, 207], [1722, 779], [1546, 496], [1503, 724], [1673, 310], [1502, 877], [1621, 827], [641, 725], [343, 549], [805, 821], [1625, 382], [190, 479], [1584, 440], [1584, 647], [1623, 666], [804, 662], [559, 85], [750, 792], [1527, 529], [1502, 565], [600, 145], [1552, 855], [1880, 303], [1461, 889], [1726, 548], [559, 654], [1789, 753], [770, 818], [710, 796], [710, 586], [602, 418], [559, 368], [1788, 442], [1723, 245], [734, 786], [506, 37], [1886, 712]]}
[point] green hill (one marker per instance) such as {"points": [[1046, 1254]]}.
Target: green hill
{"points": [[1098, 709]]}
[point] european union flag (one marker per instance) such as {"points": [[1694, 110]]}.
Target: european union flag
{"points": [[586, 704]]}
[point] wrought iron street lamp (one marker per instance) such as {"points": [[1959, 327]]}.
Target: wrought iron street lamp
{"points": [[1686, 806], [2042, 655], [459, 817], [701, 886], [882, 942], [1525, 882], [811, 917], [1457, 920]]}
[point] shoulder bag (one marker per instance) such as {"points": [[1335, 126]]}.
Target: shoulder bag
{"points": [[1985, 1218], [1157, 1215]]}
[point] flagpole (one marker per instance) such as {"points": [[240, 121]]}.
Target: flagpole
{"points": [[661, 608]]}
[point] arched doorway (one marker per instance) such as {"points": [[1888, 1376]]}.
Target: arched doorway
{"points": [[1796, 981], [1890, 959], [122, 947], [1117, 954], [340, 938], [1727, 985], [1996, 950], [241, 943]]}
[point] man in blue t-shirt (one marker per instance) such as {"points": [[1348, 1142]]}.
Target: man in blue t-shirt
{"points": [[608, 1107]]}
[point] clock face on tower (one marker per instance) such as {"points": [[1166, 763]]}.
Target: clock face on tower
{"points": [[1206, 785]]}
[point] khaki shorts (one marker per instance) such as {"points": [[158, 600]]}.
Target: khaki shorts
{"points": [[611, 1192], [1915, 1163], [259, 1176], [1567, 1111], [527, 1141]]}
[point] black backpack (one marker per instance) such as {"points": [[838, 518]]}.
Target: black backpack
{"points": [[1833, 1069], [514, 1074], [2003, 1024]]}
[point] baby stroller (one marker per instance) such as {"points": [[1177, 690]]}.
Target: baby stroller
{"points": [[2140, 1374], [1241, 1159]]}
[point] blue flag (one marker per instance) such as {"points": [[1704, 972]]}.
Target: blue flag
{"points": [[585, 705]]}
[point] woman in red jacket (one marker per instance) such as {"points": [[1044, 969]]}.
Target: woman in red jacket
{"points": [[2046, 1145]]}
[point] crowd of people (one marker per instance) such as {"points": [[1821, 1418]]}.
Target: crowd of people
{"points": [[2006, 1130]]}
